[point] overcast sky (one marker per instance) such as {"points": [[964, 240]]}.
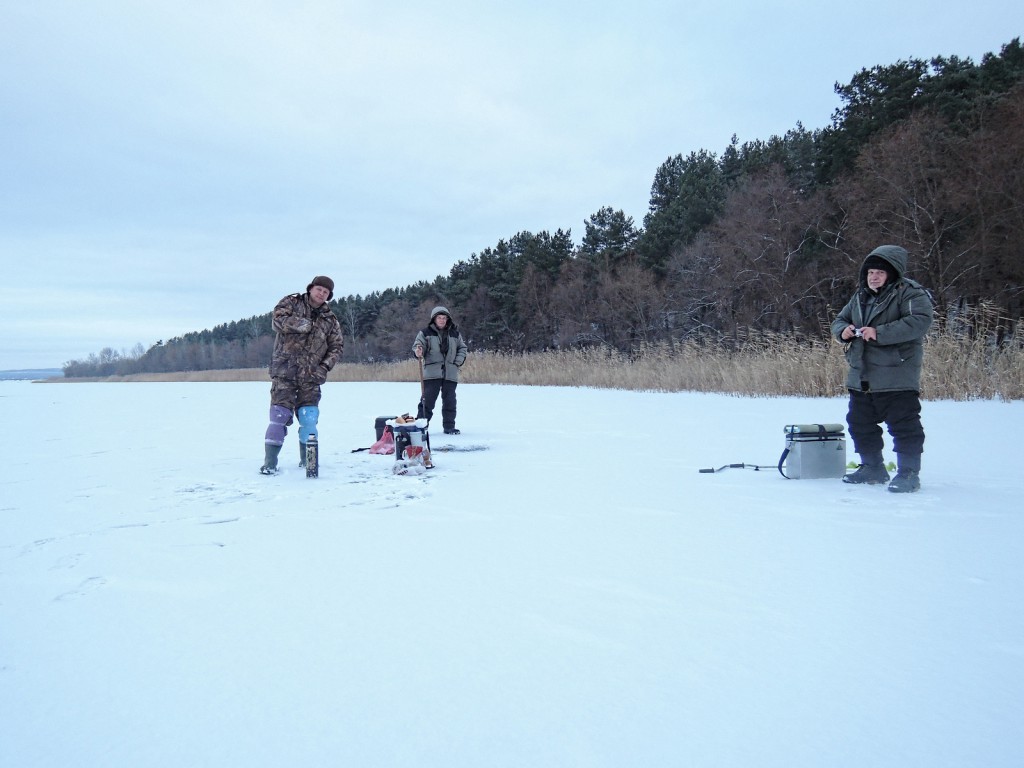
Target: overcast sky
{"points": [[168, 166]]}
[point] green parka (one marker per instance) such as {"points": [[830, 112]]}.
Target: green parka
{"points": [[444, 352], [901, 314]]}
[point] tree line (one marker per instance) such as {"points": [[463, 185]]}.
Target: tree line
{"points": [[766, 236]]}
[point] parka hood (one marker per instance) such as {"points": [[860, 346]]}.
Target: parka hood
{"points": [[894, 255], [439, 310]]}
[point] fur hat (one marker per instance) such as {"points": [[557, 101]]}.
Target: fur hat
{"points": [[877, 262], [324, 282]]}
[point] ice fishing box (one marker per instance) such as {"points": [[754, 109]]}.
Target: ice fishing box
{"points": [[813, 451], [412, 441]]}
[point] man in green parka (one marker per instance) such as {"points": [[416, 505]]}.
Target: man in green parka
{"points": [[443, 351], [883, 326]]}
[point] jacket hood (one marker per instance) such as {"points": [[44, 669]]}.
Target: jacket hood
{"points": [[439, 310], [894, 255]]}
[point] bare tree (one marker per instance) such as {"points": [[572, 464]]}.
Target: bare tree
{"points": [[907, 191], [770, 265], [534, 307], [396, 328]]}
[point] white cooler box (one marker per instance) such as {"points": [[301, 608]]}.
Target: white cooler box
{"points": [[814, 451]]}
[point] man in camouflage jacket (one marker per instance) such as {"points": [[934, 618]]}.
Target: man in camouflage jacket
{"points": [[307, 346]]}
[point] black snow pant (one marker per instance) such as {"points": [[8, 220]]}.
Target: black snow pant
{"points": [[901, 412], [431, 389]]}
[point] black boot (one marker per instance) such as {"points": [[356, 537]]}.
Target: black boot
{"points": [[868, 474], [270, 462], [871, 470], [906, 481], [907, 478], [302, 454]]}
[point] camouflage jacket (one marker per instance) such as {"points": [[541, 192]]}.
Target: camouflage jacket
{"points": [[308, 342]]}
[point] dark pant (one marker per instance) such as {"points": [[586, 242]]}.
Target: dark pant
{"points": [[901, 412], [431, 389]]}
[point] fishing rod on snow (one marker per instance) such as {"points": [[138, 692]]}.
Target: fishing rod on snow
{"points": [[755, 467]]}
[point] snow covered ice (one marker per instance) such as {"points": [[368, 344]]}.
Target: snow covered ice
{"points": [[564, 588]]}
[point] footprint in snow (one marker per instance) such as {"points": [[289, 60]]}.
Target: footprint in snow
{"points": [[89, 585], [67, 561]]}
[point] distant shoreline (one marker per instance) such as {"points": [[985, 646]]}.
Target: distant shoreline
{"points": [[25, 374], [228, 374]]}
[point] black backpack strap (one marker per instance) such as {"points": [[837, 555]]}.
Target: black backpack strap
{"points": [[782, 461]]}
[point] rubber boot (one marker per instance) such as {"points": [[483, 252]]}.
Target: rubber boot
{"points": [[270, 462], [302, 454]]}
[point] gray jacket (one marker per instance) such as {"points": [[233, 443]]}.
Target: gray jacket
{"points": [[901, 314], [444, 352]]}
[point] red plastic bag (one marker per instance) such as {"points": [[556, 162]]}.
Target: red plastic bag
{"points": [[386, 444]]}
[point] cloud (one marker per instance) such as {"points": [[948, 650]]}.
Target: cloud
{"points": [[170, 153]]}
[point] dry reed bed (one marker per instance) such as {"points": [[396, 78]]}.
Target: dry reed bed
{"points": [[956, 368]]}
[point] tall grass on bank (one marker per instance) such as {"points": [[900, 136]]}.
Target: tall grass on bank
{"points": [[972, 355], [770, 367], [962, 362]]}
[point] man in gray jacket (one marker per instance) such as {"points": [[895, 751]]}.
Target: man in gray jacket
{"points": [[884, 325], [443, 351]]}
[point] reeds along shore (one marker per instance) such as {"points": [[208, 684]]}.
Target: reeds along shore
{"points": [[957, 366]]}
